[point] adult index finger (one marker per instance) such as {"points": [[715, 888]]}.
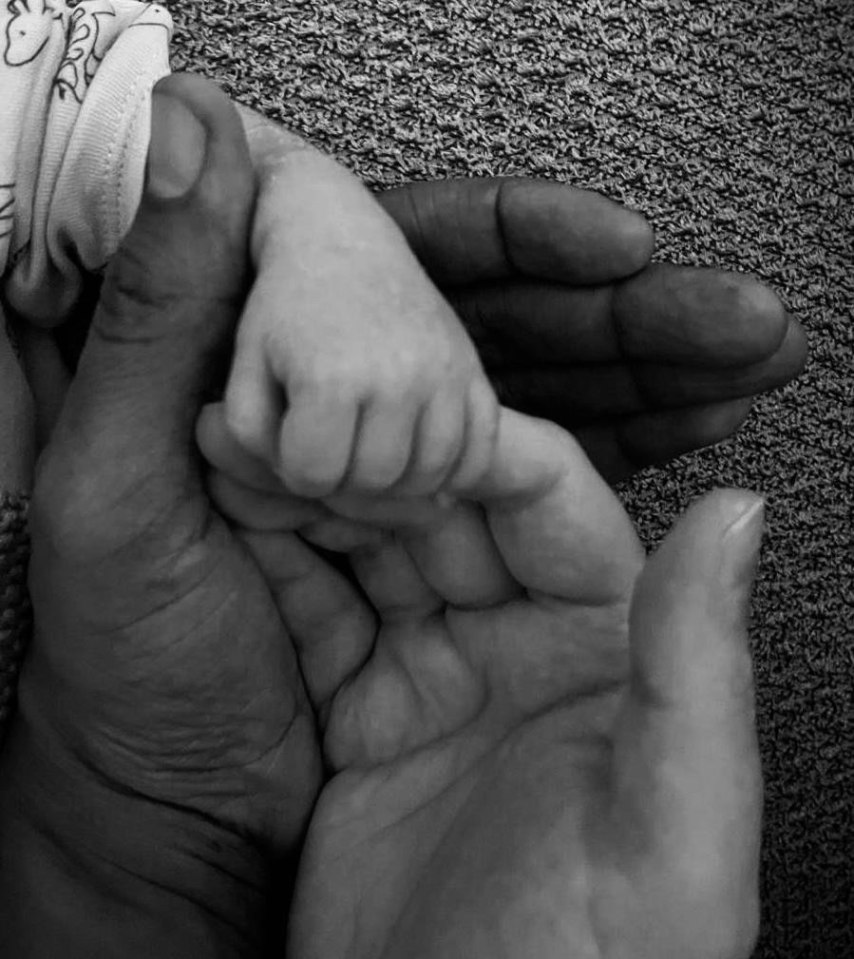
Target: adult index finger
{"points": [[474, 230], [560, 529]]}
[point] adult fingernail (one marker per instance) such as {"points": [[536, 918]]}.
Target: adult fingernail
{"points": [[741, 542], [178, 148]]}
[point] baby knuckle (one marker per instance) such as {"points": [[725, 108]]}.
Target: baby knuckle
{"points": [[328, 378], [379, 475], [419, 380], [311, 483], [245, 429], [308, 476]]}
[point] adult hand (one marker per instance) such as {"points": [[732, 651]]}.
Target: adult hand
{"points": [[540, 743], [164, 761], [642, 366]]}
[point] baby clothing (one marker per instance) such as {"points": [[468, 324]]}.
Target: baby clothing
{"points": [[75, 119], [75, 116]]}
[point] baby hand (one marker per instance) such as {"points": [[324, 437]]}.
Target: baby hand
{"points": [[252, 498], [351, 372]]}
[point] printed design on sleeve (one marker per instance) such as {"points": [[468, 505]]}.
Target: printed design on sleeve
{"points": [[29, 30], [82, 53], [7, 203]]}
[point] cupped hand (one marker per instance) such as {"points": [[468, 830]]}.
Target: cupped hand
{"points": [[540, 743], [164, 760], [643, 362]]}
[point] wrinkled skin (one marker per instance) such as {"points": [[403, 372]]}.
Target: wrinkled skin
{"points": [[530, 754], [166, 747], [641, 366]]}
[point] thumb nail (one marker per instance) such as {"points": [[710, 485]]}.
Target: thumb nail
{"points": [[178, 148], [741, 542]]}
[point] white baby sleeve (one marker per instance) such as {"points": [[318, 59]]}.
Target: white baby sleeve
{"points": [[75, 120]]}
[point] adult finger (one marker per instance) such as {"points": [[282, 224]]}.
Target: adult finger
{"points": [[558, 526], [620, 448], [169, 301], [686, 766], [473, 230], [551, 526], [332, 627], [699, 316], [581, 394], [251, 508], [664, 314], [460, 560]]}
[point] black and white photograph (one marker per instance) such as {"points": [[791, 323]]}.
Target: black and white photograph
{"points": [[426, 479]]}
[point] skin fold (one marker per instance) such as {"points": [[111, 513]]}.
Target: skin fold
{"points": [[550, 746]]}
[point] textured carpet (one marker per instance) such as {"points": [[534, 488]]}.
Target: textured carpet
{"points": [[730, 125]]}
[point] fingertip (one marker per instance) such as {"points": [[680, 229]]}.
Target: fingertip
{"points": [[310, 472], [483, 416], [793, 352], [689, 611], [207, 101], [573, 235], [741, 543], [437, 443], [260, 509], [649, 439], [311, 480], [317, 439], [758, 305], [177, 150], [705, 532], [339, 535], [196, 136], [711, 319], [210, 428], [247, 419], [637, 237], [388, 447]]}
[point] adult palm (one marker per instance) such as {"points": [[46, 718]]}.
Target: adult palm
{"points": [[528, 755]]}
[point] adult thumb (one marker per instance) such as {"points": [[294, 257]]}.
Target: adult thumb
{"points": [[687, 766], [172, 294]]}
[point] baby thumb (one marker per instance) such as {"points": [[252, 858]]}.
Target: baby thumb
{"points": [[687, 770], [172, 294]]}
